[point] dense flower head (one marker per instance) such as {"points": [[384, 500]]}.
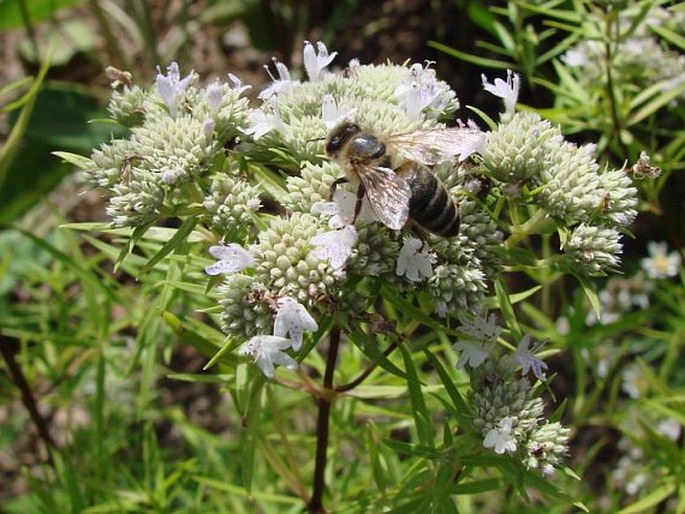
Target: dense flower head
{"points": [[287, 247]]}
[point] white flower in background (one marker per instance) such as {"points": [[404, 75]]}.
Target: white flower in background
{"points": [[502, 437], [267, 351], [262, 123], [214, 95], [634, 382], [508, 91], [333, 113], [232, 258], [669, 427], [171, 86], [237, 84], [415, 262], [525, 357], [481, 329], [293, 319], [335, 246], [471, 353], [279, 84], [315, 64], [659, 264]]}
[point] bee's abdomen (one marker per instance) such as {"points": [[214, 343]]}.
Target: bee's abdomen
{"points": [[430, 205]]}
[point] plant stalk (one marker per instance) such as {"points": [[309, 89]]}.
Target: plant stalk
{"points": [[315, 505], [27, 397]]}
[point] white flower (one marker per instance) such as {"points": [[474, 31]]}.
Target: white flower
{"points": [[232, 258], [262, 123], [421, 91], [171, 86], [208, 129], [279, 84], [214, 95], [482, 330], [267, 351], [507, 91], [342, 209], [292, 318], [315, 64], [659, 264], [237, 84], [335, 245], [333, 113], [415, 261], [172, 175], [502, 437], [471, 353], [525, 358]]}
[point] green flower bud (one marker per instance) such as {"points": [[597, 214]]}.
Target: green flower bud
{"points": [[594, 250], [516, 151], [285, 263], [572, 187]]}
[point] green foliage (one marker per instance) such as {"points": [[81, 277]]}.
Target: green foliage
{"points": [[136, 355]]}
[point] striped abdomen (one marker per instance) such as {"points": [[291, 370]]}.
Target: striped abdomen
{"points": [[430, 205]]}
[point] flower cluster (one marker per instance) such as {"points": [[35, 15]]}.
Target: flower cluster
{"points": [[507, 410], [260, 180], [639, 59], [591, 208], [177, 131]]}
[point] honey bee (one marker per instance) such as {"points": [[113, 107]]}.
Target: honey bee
{"points": [[395, 176]]}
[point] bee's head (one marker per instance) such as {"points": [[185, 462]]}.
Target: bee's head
{"points": [[340, 135]]}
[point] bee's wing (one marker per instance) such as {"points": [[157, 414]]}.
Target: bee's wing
{"points": [[388, 194], [431, 147]]}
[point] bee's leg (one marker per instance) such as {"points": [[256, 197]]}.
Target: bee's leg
{"points": [[334, 186], [358, 205]]}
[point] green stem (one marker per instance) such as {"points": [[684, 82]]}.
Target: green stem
{"points": [[315, 505], [532, 226]]}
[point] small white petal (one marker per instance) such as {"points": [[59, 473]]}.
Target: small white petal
{"points": [[232, 258], [293, 319], [267, 351], [508, 91], [335, 246], [414, 261]]}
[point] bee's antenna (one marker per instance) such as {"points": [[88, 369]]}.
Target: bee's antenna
{"points": [[316, 139]]}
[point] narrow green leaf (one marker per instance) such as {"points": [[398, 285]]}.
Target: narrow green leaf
{"points": [[462, 411], [77, 160], [11, 146], [176, 240], [377, 468], [672, 37], [369, 347], [591, 294], [507, 309], [478, 486], [416, 450], [656, 104], [418, 402], [480, 61]]}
